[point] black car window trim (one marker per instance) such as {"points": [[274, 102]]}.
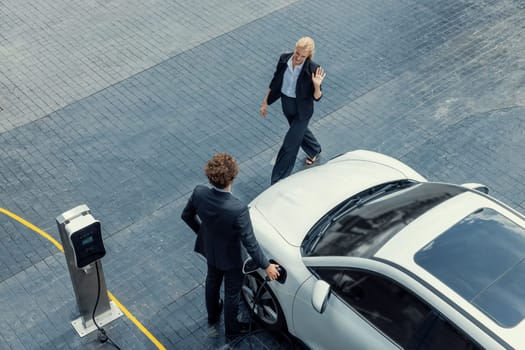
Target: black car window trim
{"points": [[433, 311]]}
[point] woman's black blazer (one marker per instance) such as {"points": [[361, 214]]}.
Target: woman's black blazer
{"points": [[304, 90]]}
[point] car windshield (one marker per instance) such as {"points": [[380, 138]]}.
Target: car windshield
{"points": [[482, 258], [364, 226]]}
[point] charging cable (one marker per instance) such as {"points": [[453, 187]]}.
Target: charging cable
{"points": [[102, 335]]}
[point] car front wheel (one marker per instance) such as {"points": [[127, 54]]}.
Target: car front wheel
{"points": [[262, 303]]}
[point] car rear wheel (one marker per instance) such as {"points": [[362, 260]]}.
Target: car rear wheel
{"points": [[262, 303]]}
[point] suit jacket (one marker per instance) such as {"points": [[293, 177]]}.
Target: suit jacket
{"points": [[222, 223], [304, 90]]}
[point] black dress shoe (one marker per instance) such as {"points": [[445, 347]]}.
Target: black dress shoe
{"points": [[244, 325], [215, 319], [233, 334], [241, 329]]}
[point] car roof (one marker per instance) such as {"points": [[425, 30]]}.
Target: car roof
{"points": [[283, 204], [483, 290]]}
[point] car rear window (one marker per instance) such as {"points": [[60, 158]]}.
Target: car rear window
{"points": [[482, 258]]}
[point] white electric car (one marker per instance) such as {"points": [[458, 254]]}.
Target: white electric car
{"points": [[377, 257]]}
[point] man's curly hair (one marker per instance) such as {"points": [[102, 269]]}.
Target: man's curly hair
{"points": [[221, 170]]}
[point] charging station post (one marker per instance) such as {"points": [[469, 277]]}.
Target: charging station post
{"points": [[83, 247]]}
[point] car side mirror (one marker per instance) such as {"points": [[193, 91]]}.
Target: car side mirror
{"points": [[320, 295]]}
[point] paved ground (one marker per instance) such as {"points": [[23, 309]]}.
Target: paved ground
{"points": [[117, 105]]}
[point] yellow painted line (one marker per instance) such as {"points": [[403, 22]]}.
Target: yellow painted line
{"points": [[34, 228], [136, 322], [122, 308]]}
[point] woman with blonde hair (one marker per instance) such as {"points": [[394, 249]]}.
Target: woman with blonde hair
{"points": [[297, 82]]}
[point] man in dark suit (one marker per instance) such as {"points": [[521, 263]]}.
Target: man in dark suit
{"points": [[297, 82], [222, 223]]}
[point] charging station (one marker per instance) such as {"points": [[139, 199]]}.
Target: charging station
{"points": [[81, 237]]}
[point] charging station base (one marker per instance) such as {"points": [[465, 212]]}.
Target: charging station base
{"points": [[84, 327]]}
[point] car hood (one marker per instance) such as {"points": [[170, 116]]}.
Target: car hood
{"points": [[293, 205]]}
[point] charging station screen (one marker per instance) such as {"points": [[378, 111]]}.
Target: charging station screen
{"points": [[87, 244], [87, 240]]}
